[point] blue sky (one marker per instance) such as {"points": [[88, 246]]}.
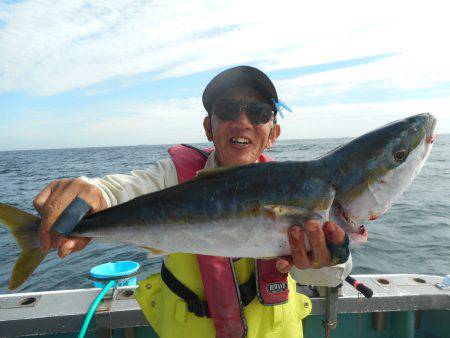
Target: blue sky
{"points": [[103, 73]]}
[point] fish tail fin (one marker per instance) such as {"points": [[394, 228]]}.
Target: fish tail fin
{"points": [[24, 228]]}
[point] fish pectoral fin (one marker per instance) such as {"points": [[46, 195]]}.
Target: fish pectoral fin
{"points": [[285, 209], [292, 214], [208, 172]]}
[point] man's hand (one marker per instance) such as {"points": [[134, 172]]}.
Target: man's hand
{"points": [[52, 201], [317, 235]]}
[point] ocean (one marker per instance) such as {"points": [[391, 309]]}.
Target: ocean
{"points": [[413, 237]]}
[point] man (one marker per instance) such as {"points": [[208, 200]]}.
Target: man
{"points": [[244, 297]]}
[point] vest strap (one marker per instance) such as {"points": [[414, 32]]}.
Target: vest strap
{"points": [[197, 306], [225, 300]]}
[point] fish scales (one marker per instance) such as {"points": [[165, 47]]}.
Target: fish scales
{"points": [[202, 213]]}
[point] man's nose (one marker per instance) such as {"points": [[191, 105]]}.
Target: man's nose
{"points": [[242, 119]]}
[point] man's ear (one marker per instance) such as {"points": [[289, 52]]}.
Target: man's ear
{"points": [[208, 128], [274, 133]]}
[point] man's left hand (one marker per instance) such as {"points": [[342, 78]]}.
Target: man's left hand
{"points": [[319, 256]]}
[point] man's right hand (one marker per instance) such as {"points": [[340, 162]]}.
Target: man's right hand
{"points": [[52, 201]]}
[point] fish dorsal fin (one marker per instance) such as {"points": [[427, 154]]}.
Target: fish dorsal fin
{"points": [[208, 172]]}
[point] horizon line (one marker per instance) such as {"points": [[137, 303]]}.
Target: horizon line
{"points": [[169, 144]]}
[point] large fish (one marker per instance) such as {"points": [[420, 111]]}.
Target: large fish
{"points": [[246, 211]]}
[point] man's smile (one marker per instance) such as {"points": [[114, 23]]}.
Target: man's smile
{"points": [[240, 142]]}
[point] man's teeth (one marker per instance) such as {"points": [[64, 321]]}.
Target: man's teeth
{"points": [[240, 140]]}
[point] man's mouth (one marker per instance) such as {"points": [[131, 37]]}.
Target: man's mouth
{"points": [[240, 141]]}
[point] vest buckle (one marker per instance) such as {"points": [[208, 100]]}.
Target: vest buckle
{"points": [[198, 308]]}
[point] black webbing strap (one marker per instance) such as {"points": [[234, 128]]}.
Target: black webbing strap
{"points": [[248, 290], [202, 152], [197, 306]]}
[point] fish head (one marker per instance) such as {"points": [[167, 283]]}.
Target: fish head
{"points": [[378, 167]]}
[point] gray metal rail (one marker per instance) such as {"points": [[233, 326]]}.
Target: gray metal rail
{"points": [[64, 311]]}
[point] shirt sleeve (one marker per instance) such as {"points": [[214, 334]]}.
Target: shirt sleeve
{"points": [[327, 276], [120, 188]]}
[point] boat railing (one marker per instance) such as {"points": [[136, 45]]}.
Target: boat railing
{"points": [[58, 312]]}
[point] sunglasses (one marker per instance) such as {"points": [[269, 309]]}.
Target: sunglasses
{"points": [[229, 109]]}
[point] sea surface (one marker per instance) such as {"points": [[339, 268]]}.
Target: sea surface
{"points": [[413, 237]]}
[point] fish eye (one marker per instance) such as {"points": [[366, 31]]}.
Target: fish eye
{"points": [[400, 155]]}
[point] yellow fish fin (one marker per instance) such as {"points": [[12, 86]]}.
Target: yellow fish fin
{"points": [[24, 228]]}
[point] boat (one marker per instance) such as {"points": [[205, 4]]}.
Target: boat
{"points": [[402, 306]]}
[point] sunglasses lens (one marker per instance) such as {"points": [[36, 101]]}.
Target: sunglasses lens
{"points": [[257, 112], [227, 110]]}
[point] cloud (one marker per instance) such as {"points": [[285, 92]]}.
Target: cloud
{"points": [[50, 47], [153, 122], [397, 72], [354, 119], [180, 121]]}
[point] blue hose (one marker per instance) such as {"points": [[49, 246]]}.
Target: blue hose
{"points": [[93, 307]]}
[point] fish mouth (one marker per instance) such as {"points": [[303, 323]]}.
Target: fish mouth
{"points": [[431, 134], [385, 177], [357, 232]]}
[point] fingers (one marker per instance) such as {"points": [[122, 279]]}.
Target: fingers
{"points": [[334, 233], [300, 256], [316, 236], [42, 197], [52, 201], [284, 264], [59, 199], [72, 244], [319, 256], [57, 240], [337, 243], [67, 245]]}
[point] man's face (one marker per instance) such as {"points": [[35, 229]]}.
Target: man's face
{"points": [[239, 141]]}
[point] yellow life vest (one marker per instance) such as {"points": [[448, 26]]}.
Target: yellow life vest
{"points": [[169, 317]]}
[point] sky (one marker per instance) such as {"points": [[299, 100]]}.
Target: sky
{"points": [[107, 73]]}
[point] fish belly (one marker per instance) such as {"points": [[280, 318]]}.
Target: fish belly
{"points": [[233, 237]]}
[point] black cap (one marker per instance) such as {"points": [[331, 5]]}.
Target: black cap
{"points": [[238, 76]]}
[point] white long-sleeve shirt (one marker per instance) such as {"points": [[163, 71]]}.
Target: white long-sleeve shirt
{"points": [[120, 188]]}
